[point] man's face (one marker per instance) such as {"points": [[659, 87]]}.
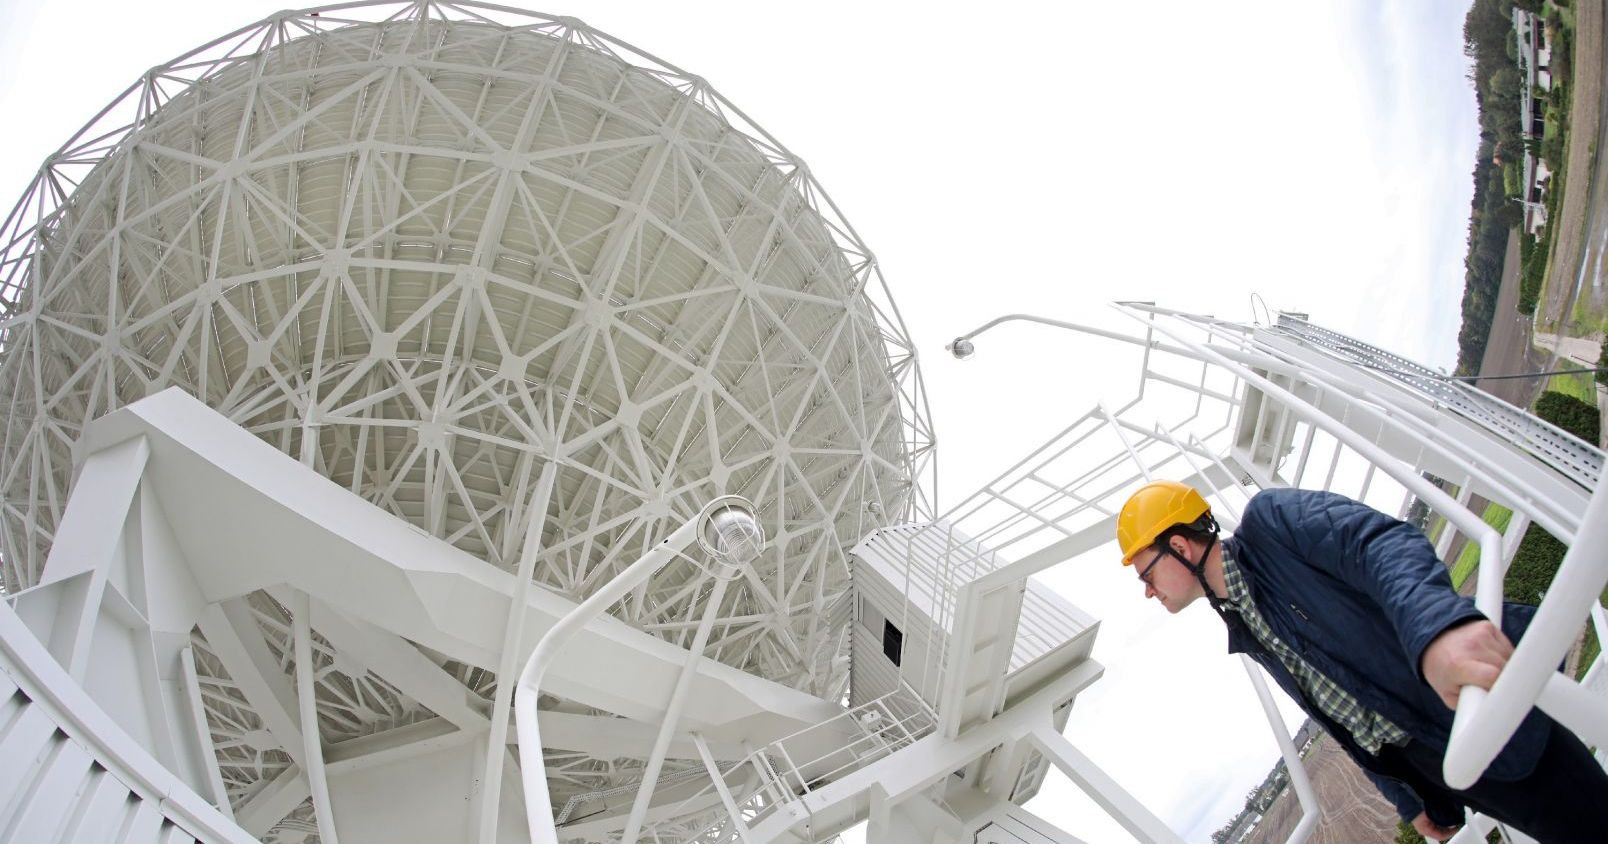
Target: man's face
{"points": [[1168, 581]]}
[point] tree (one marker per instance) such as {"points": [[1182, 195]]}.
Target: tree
{"points": [[1535, 564], [1485, 29], [1571, 414]]}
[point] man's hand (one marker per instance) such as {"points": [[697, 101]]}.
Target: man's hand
{"points": [[1431, 830], [1471, 654]]}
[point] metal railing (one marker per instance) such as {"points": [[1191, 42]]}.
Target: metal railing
{"points": [[1282, 412], [1575, 459], [1483, 724], [778, 776]]}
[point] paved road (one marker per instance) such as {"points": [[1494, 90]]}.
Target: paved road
{"points": [[1581, 350], [1508, 349]]}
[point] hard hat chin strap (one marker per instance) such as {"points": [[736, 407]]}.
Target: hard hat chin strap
{"points": [[1199, 568]]}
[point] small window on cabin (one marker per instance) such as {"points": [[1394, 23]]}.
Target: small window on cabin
{"points": [[892, 642]]}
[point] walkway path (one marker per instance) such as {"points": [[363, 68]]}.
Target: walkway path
{"points": [[1586, 352], [1581, 350]]}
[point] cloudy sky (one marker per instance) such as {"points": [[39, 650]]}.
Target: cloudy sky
{"points": [[1045, 158]]}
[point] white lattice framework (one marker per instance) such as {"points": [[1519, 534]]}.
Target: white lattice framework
{"points": [[430, 248]]}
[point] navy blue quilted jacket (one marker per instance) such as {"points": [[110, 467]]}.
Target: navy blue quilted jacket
{"points": [[1360, 595]]}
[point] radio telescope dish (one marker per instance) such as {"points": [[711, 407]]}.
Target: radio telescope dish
{"points": [[429, 249]]}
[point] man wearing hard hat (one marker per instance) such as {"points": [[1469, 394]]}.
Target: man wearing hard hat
{"points": [[1353, 614]]}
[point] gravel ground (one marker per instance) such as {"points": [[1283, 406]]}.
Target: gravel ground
{"points": [[1353, 811]]}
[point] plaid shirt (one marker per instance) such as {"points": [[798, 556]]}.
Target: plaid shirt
{"points": [[1370, 729]]}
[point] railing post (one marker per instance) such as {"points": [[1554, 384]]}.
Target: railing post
{"points": [[1292, 756]]}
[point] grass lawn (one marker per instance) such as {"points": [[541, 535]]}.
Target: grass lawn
{"points": [[1437, 523], [1578, 385], [1468, 559]]}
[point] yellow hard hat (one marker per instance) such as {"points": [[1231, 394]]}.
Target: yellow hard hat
{"points": [[1153, 509]]}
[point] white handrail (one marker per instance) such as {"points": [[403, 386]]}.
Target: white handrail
{"points": [[1292, 757], [1490, 542], [1484, 721]]}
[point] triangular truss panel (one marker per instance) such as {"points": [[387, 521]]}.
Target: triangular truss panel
{"points": [[427, 248]]}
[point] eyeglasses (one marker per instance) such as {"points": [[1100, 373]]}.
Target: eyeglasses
{"points": [[1145, 575]]}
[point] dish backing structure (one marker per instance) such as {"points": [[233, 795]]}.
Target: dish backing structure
{"points": [[372, 362]]}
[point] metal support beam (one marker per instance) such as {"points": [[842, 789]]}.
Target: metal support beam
{"points": [[313, 748], [1117, 802], [234, 637], [203, 734], [672, 714], [86, 545], [401, 665], [605, 737], [513, 634], [273, 801], [720, 786]]}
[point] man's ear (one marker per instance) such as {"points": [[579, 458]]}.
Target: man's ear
{"points": [[1180, 545]]}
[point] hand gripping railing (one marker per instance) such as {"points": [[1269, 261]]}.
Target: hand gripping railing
{"points": [[729, 530], [1485, 721]]}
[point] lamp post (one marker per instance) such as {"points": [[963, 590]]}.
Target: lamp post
{"points": [[728, 529]]}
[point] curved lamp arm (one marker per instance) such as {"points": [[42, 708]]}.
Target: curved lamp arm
{"points": [[538, 800], [961, 347]]}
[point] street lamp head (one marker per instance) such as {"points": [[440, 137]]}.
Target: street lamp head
{"points": [[961, 348], [731, 531]]}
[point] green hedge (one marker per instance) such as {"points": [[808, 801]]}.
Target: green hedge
{"points": [[1535, 563], [1602, 363], [1571, 414], [1532, 269]]}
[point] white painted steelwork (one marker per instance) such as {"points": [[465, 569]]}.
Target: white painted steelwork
{"points": [[727, 524], [811, 768], [348, 354], [523, 285], [384, 593], [72, 774], [436, 246], [1579, 461]]}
